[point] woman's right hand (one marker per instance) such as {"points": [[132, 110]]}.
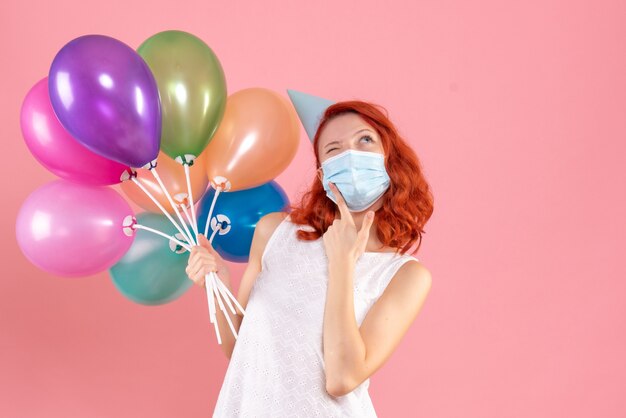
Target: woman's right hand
{"points": [[203, 260]]}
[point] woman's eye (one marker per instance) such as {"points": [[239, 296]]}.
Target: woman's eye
{"points": [[332, 149], [368, 137]]}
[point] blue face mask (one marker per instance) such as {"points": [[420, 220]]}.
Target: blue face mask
{"points": [[360, 176]]}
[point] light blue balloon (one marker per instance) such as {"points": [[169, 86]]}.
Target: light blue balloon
{"points": [[152, 272], [238, 213]]}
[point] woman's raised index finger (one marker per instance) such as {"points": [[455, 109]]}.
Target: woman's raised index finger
{"points": [[341, 202]]}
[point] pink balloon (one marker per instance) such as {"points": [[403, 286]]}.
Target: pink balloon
{"points": [[73, 230], [56, 149]]}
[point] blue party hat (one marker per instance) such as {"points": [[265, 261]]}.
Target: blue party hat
{"points": [[310, 110]]}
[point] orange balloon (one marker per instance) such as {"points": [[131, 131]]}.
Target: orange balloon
{"points": [[255, 141], [173, 176]]}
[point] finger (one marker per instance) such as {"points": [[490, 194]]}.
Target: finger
{"points": [[197, 250], [190, 264], [341, 203], [204, 243], [193, 258], [200, 250], [202, 238], [193, 268], [364, 232], [203, 270], [199, 280], [193, 271], [192, 275], [209, 267], [202, 260]]}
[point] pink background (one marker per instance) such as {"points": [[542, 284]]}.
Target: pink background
{"points": [[517, 112]]}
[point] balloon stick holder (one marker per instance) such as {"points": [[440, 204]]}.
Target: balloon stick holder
{"points": [[216, 290]]}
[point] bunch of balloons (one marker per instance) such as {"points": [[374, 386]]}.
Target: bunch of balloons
{"points": [[158, 122]]}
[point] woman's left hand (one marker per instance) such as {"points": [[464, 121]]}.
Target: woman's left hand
{"points": [[342, 241]]}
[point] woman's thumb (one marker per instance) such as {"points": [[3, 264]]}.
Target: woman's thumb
{"points": [[204, 242]]}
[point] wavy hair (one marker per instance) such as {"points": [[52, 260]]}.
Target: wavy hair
{"points": [[407, 204]]}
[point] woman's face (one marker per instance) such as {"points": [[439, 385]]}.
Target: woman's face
{"points": [[347, 131]]}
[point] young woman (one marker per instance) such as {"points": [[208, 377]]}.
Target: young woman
{"points": [[330, 288]]}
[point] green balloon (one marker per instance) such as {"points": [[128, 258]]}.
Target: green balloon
{"points": [[192, 89], [152, 272]]}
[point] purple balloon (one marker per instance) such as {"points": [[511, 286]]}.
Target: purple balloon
{"points": [[73, 230], [105, 95], [56, 149]]}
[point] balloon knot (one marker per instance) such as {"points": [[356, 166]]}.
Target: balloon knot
{"points": [[128, 174], [187, 159], [152, 164], [128, 225]]}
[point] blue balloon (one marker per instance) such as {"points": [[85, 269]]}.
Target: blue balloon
{"points": [[236, 215]]}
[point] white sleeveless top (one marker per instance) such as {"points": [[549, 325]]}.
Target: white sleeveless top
{"points": [[277, 365]]}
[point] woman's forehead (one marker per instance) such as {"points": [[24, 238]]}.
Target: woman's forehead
{"points": [[342, 127]]}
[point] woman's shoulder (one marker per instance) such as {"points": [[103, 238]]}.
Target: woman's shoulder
{"points": [[412, 269], [263, 231], [268, 223]]}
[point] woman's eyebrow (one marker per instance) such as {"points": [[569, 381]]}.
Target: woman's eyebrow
{"points": [[362, 130], [357, 132]]}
